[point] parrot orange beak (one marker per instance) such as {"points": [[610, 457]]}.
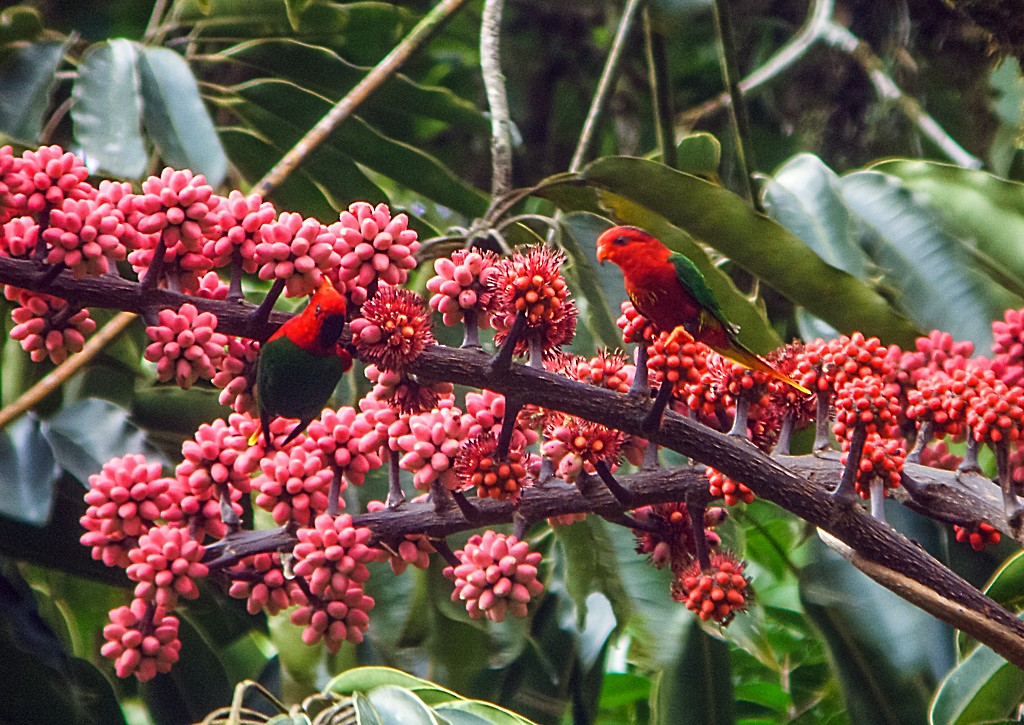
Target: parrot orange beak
{"points": [[603, 246]]}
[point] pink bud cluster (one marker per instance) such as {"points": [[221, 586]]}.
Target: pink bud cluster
{"points": [[41, 179], [496, 576], [142, 639], [296, 250], [331, 557], [260, 580], [463, 282], [239, 221], [236, 374], [165, 563], [186, 345], [85, 237], [374, 247], [293, 484], [431, 445], [48, 327]]}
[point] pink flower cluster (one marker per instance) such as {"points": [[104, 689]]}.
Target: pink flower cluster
{"points": [[496, 576]]}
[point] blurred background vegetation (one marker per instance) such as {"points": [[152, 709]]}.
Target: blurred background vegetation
{"points": [[916, 233]]}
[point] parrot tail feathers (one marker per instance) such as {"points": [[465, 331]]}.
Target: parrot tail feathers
{"points": [[753, 361]]}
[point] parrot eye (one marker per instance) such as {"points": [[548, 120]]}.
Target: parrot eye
{"points": [[317, 311], [620, 241]]}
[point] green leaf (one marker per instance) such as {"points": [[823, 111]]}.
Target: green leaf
{"points": [[985, 212], [175, 116], [473, 711], [589, 558], [322, 70], [28, 472], [397, 705], [699, 153], [28, 75], [364, 679], [88, 433], [360, 142], [923, 263], [697, 688], [804, 197], [295, 9], [983, 687], [254, 155], [107, 109], [1005, 586], [860, 621], [717, 217]]}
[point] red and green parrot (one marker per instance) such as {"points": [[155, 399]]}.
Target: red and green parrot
{"points": [[301, 363], [669, 290]]}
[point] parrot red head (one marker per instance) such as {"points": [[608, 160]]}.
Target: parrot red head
{"points": [[629, 246], [320, 324]]}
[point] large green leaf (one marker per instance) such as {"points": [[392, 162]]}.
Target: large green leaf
{"points": [[28, 75], [804, 197], [589, 561], [323, 71], [398, 705], [360, 142], [107, 112], [28, 472], [984, 211], [860, 621], [1006, 586], [175, 116], [715, 216], [982, 688], [86, 434], [929, 270], [697, 688]]}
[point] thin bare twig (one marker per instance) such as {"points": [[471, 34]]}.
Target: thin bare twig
{"points": [[387, 67], [497, 98]]}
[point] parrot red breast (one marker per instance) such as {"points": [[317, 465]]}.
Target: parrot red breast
{"points": [[669, 290], [300, 365]]}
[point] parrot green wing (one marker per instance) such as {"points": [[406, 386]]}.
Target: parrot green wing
{"points": [[293, 383], [692, 279]]}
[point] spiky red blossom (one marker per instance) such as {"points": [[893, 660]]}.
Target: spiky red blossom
{"points": [[339, 435], [635, 327], [478, 466], [405, 394], [186, 345], [18, 237], [331, 558], [44, 178], [864, 400], [462, 282], [732, 492], [239, 220], [679, 361], [608, 369], [785, 398], [85, 236], [393, 328], [299, 251], [165, 563], [429, 448], [715, 593], [48, 327], [412, 549], [496, 576], [142, 639], [374, 247], [125, 500], [672, 541], [532, 283], [260, 580], [574, 445], [236, 374], [881, 460], [219, 455], [995, 410], [979, 536], [856, 356]]}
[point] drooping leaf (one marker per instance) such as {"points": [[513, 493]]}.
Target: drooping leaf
{"points": [[175, 116], [804, 196], [717, 217], [922, 263], [699, 153], [28, 472], [697, 688], [88, 433], [323, 71], [28, 75], [982, 688], [983, 211], [107, 109], [360, 142]]}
